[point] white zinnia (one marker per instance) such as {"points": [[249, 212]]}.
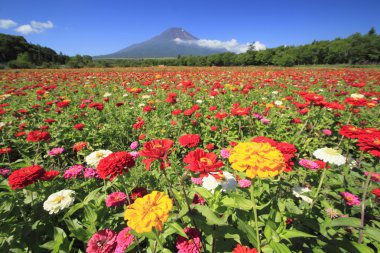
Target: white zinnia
{"points": [[227, 182], [59, 200], [298, 193], [199, 101], [278, 102], [145, 96], [107, 94], [357, 95], [94, 158], [330, 155]]}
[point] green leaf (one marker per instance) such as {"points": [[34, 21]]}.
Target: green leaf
{"points": [[178, 229], [77, 230], [91, 196], [73, 209], [279, 247], [351, 246], [237, 201], [288, 234], [206, 194], [248, 231], [345, 222], [211, 217], [374, 233]]}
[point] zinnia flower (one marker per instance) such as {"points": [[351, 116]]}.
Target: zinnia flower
{"points": [[74, 171], [104, 241], [223, 178], [308, 164], [375, 177], [370, 143], [156, 150], [202, 162], [189, 140], [115, 164], [124, 239], [25, 176], [299, 191], [376, 192], [94, 158], [243, 249], [35, 136], [116, 199], [244, 183], [56, 151], [351, 199], [149, 212], [257, 159], [191, 244], [59, 200], [330, 155]]}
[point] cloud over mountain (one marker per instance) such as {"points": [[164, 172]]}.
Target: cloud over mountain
{"points": [[231, 45], [7, 23], [34, 27]]}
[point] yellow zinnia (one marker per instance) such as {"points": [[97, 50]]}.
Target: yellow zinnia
{"points": [[149, 212], [257, 159]]}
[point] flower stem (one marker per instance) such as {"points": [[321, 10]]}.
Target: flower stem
{"points": [[361, 232], [255, 217], [319, 186], [158, 240]]}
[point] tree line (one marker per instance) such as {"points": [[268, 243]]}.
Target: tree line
{"points": [[355, 49]]}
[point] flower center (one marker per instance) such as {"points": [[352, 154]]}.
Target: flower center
{"points": [[206, 161], [376, 141], [331, 151], [99, 155], [157, 146], [58, 199]]}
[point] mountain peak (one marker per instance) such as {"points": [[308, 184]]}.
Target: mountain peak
{"points": [[174, 33]]}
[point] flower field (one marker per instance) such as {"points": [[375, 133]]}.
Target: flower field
{"points": [[190, 160]]}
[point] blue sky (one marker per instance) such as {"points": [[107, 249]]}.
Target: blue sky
{"points": [[95, 27]]}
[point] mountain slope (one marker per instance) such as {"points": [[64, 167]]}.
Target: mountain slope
{"points": [[163, 45]]}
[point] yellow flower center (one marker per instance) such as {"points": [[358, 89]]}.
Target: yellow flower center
{"points": [[99, 155], [58, 199], [331, 151], [206, 161]]}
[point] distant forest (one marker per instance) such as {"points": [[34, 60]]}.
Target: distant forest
{"points": [[16, 52]]}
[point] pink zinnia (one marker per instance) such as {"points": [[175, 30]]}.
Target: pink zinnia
{"points": [[134, 154], [74, 171], [308, 164], [193, 244], [104, 241], [134, 145], [327, 132], [351, 199], [375, 177], [265, 121], [5, 171], [124, 239], [56, 151], [116, 199], [244, 183], [196, 180], [225, 153], [90, 173]]}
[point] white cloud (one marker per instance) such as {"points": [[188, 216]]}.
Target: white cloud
{"points": [[231, 45], [34, 27], [7, 23]]}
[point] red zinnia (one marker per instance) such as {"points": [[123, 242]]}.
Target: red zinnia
{"points": [[79, 126], [115, 164], [156, 150], [203, 162], [376, 192], [49, 175], [189, 140], [370, 143], [103, 241], [35, 136], [243, 249], [25, 176]]}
